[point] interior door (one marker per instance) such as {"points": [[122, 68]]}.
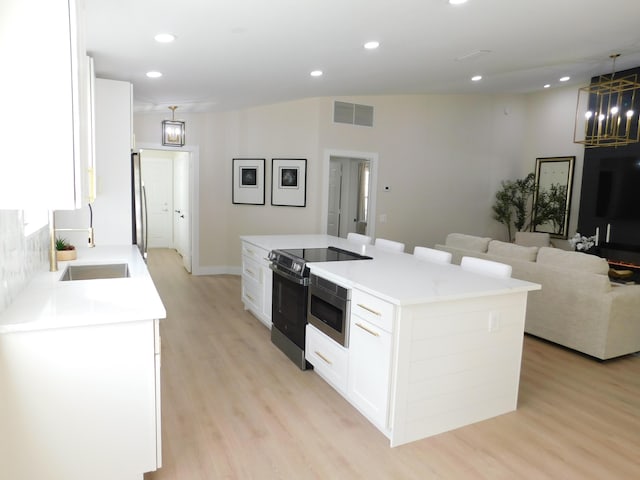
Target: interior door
{"points": [[157, 175], [181, 210], [335, 193]]}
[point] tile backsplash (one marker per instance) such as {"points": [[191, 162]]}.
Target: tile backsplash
{"points": [[20, 257]]}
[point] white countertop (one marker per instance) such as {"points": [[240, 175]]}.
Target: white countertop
{"points": [[399, 278], [48, 303]]}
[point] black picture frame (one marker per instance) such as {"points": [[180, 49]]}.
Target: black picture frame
{"points": [[289, 182], [248, 181]]}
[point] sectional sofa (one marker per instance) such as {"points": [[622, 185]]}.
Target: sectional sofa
{"points": [[578, 306]]}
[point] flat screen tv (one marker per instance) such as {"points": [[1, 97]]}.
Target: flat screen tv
{"points": [[618, 192]]}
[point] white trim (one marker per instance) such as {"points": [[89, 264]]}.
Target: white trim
{"points": [[326, 158], [194, 184]]}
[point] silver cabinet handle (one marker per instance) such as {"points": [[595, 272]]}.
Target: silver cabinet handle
{"points": [[322, 357], [369, 310], [368, 330]]}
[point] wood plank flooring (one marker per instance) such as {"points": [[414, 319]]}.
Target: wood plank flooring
{"points": [[234, 407]]}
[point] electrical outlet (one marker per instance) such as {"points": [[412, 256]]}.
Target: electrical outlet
{"points": [[383, 218]]}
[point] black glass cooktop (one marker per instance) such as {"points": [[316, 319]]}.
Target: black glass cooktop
{"points": [[329, 254]]}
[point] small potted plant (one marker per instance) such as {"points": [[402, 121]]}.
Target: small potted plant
{"points": [[64, 250]]}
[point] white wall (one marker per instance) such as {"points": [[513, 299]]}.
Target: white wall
{"points": [[443, 156]]}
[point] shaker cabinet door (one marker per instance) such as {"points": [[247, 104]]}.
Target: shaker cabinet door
{"points": [[369, 369], [44, 64]]}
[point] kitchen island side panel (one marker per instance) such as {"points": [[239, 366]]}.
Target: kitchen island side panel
{"points": [[456, 363]]}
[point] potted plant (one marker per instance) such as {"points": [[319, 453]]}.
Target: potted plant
{"points": [[64, 250]]}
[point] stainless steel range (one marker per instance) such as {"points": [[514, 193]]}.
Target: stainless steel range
{"points": [[290, 295]]}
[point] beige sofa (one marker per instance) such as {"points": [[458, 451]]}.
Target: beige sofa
{"points": [[578, 306]]}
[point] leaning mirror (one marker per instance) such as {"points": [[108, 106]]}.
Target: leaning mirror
{"points": [[552, 195]]}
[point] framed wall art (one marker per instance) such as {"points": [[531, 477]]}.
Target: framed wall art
{"points": [[289, 182], [552, 195], [248, 181]]}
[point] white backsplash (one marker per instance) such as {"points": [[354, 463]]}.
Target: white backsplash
{"points": [[20, 257]]}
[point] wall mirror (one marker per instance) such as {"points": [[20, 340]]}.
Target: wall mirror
{"points": [[552, 195]]}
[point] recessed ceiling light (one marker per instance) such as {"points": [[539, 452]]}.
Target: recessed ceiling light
{"points": [[154, 74], [476, 78], [457, 2], [316, 73], [371, 45], [547, 85], [164, 38], [564, 79]]}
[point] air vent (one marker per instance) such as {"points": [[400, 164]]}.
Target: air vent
{"points": [[353, 114]]}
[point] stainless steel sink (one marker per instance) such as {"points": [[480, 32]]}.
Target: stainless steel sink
{"points": [[93, 272]]}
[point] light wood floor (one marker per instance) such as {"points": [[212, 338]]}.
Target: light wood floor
{"points": [[235, 408]]}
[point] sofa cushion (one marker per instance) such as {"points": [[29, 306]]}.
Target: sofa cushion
{"points": [[468, 242], [573, 260], [533, 239], [511, 250]]}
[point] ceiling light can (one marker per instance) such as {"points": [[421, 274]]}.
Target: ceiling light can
{"points": [[316, 73], [371, 45], [154, 74], [476, 78], [164, 38]]}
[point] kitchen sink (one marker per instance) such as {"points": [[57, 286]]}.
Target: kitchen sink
{"points": [[94, 272]]}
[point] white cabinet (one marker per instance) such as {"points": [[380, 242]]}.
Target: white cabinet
{"points": [[44, 107], [329, 359], [80, 402], [256, 282], [370, 343]]}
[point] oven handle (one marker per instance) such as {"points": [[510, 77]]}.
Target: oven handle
{"points": [[297, 280]]}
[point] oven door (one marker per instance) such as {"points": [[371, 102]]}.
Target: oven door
{"points": [[289, 306], [329, 309]]}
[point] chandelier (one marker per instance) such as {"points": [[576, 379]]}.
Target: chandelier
{"points": [[607, 112], [173, 131]]}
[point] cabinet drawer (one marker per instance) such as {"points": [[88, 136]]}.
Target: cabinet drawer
{"points": [[329, 359], [251, 269], [256, 253], [251, 294], [373, 309]]}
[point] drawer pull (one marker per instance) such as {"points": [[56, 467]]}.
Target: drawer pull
{"points": [[250, 297], [322, 357], [369, 310], [250, 272], [368, 330]]}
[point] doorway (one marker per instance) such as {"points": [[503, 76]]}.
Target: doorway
{"points": [[350, 192], [167, 175]]}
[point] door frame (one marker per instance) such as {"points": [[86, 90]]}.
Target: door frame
{"points": [[194, 195], [373, 159]]}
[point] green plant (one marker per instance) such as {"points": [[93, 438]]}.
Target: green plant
{"points": [[514, 205], [63, 244]]}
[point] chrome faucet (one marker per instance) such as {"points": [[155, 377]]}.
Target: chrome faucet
{"points": [[53, 260]]}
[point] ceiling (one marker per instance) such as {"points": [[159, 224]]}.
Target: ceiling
{"points": [[231, 54]]}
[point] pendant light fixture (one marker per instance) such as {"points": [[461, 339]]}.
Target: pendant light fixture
{"points": [[173, 131], [607, 112]]}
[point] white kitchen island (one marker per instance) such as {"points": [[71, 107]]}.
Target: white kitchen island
{"points": [[432, 347], [80, 374]]}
